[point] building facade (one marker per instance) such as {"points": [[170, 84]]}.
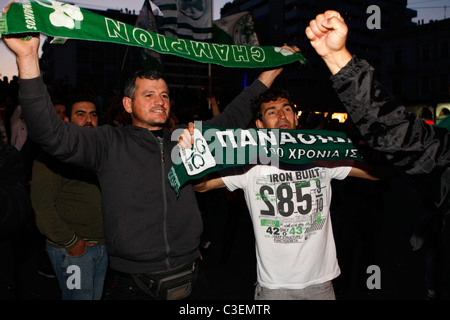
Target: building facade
{"points": [[284, 22], [416, 67], [410, 60]]}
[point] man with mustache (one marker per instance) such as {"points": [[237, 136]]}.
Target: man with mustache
{"points": [[152, 235], [67, 204]]}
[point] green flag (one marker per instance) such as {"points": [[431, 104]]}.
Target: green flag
{"points": [[219, 148], [151, 60], [186, 19], [64, 21], [237, 28], [444, 123]]}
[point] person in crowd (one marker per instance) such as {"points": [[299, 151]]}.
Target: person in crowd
{"points": [[67, 204], [419, 151], [427, 116], [151, 234], [295, 249], [3, 133], [15, 213], [30, 152], [60, 109], [19, 132]]}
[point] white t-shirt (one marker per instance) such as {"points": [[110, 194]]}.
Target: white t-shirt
{"points": [[290, 212]]}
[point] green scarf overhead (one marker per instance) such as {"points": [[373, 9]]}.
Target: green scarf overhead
{"points": [[216, 149], [64, 21]]}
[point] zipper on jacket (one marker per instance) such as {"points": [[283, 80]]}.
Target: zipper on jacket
{"points": [[163, 184], [165, 208]]}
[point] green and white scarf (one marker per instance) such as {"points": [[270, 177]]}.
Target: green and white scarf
{"points": [[219, 148], [64, 21]]}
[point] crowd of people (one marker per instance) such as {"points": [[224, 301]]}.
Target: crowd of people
{"points": [[100, 197]]}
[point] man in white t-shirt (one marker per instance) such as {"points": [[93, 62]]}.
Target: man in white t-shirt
{"points": [[290, 211]]}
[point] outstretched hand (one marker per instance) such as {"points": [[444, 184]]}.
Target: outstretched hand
{"points": [[327, 34], [26, 49]]}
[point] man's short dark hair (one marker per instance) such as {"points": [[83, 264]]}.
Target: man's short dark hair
{"points": [[81, 97], [130, 84], [271, 94]]}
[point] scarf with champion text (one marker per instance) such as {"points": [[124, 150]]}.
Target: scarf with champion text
{"points": [[64, 21], [215, 149]]}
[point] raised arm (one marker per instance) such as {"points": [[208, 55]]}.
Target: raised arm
{"points": [[51, 133], [268, 77], [381, 119], [26, 51], [238, 113], [417, 149]]}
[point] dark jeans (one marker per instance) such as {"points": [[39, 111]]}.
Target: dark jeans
{"points": [[121, 286]]}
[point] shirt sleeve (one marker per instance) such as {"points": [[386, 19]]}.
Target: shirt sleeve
{"points": [[235, 182], [420, 151], [340, 173], [408, 142]]}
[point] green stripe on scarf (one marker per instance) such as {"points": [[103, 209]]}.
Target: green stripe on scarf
{"points": [[216, 149], [65, 21]]}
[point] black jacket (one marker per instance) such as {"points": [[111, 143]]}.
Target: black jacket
{"points": [[421, 152], [147, 228], [15, 202]]}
